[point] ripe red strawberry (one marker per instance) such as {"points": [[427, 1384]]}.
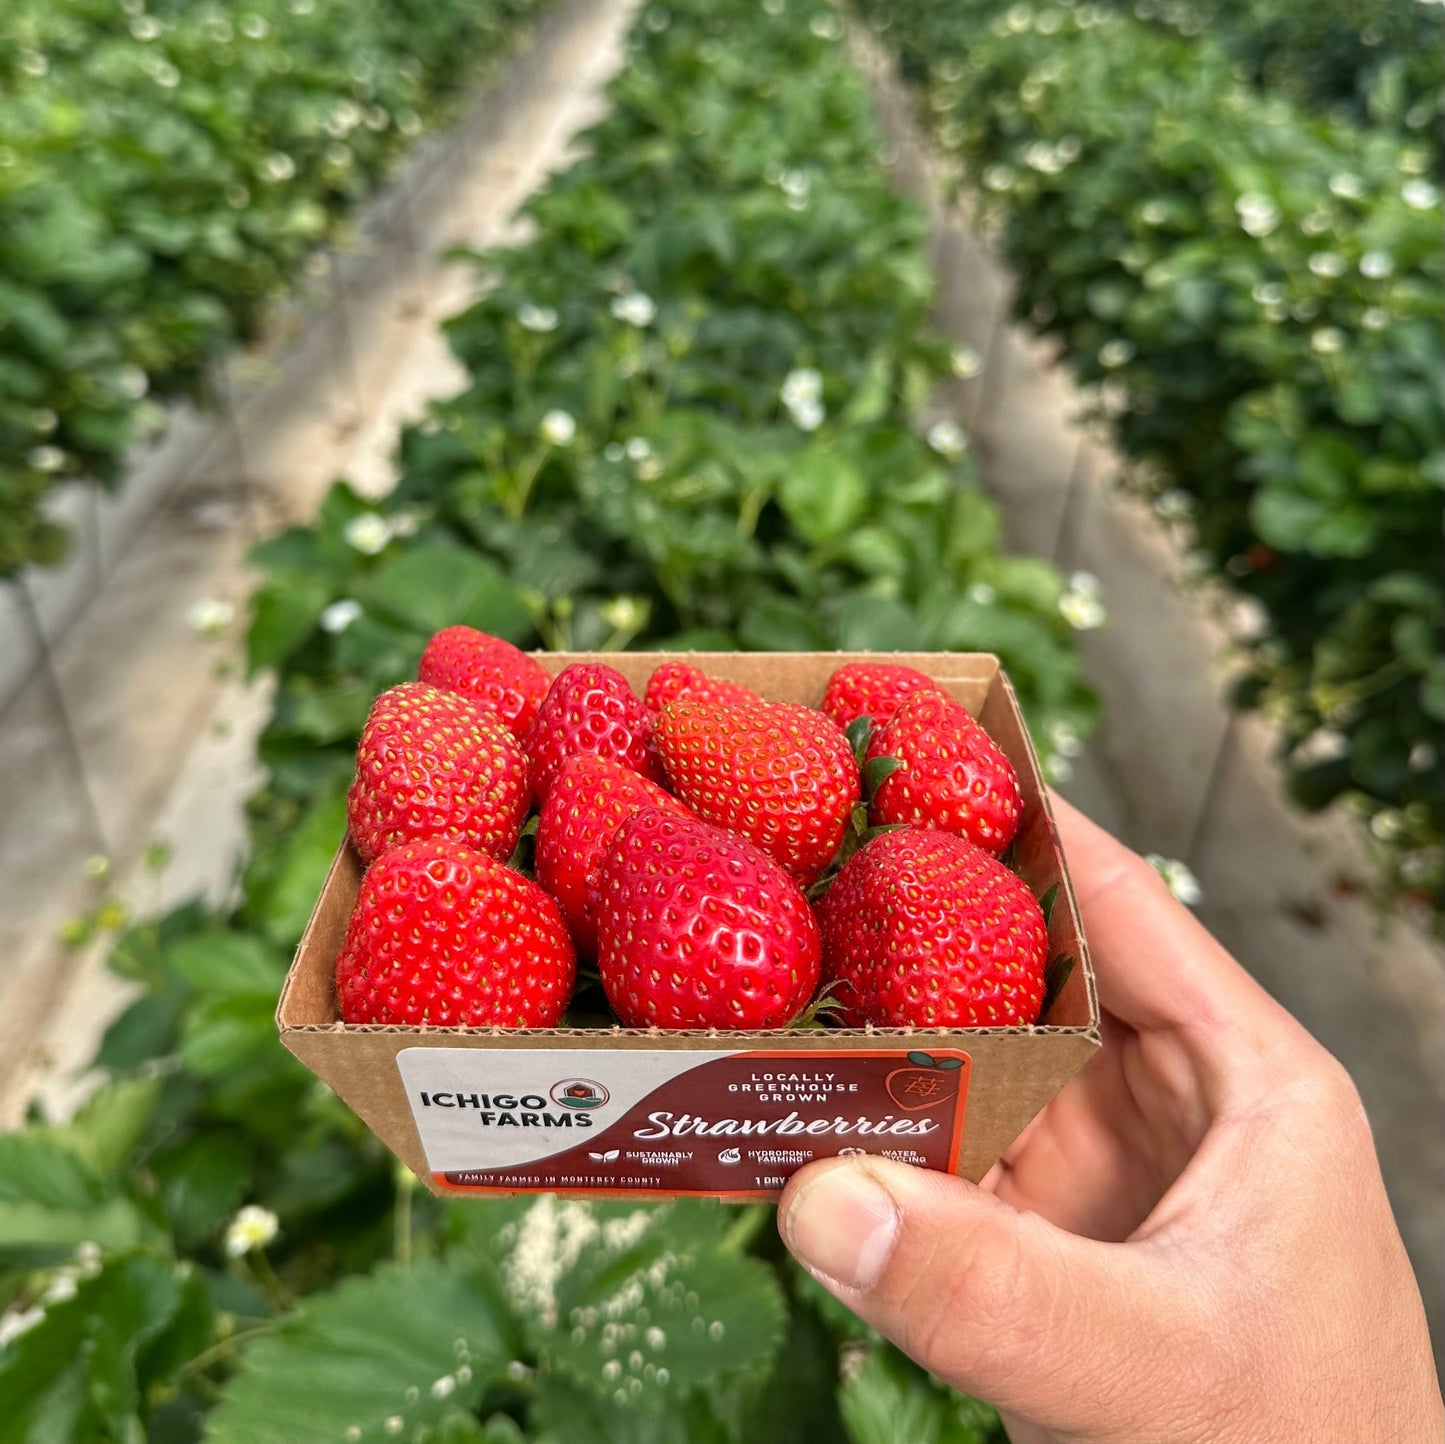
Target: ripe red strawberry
{"points": [[924, 930], [672, 680], [954, 777], [590, 708], [443, 935], [780, 775], [698, 929], [494, 674], [590, 798], [872, 689], [433, 764]]}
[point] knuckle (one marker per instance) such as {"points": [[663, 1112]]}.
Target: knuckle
{"points": [[1325, 1091]]}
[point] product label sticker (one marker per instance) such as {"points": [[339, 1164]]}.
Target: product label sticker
{"points": [[718, 1123]]}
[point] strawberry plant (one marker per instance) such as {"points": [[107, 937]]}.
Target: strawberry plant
{"points": [[1367, 61], [1251, 296], [163, 174]]}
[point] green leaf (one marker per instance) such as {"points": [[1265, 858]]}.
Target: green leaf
{"points": [[773, 624], [36, 1167], [227, 1031], [109, 1126], [284, 887], [670, 1310], [202, 1183], [226, 965], [796, 1403], [283, 615], [734, 1323], [146, 1030], [877, 771], [71, 1379], [859, 730], [923, 1060], [411, 1344], [823, 494], [440, 586], [1046, 903], [565, 1412], [864, 623], [869, 403], [890, 1400], [1058, 972]]}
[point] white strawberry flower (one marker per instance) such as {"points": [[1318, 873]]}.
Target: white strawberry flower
{"points": [[1388, 825], [965, 364], [252, 1228], [211, 616], [277, 167], [1081, 605], [802, 394], [1419, 195], [558, 428], [340, 615], [132, 382], [1064, 737], [46, 458], [1177, 878], [624, 614], [368, 533], [635, 308], [536, 318], [1258, 215], [1116, 353], [947, 439], [800, 386], [808, 415]]}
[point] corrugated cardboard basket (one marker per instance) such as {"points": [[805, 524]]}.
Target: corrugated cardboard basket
{"points": [[525, 1110]]}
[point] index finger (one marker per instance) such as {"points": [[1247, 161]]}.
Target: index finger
{"points": [[1156, 966]]}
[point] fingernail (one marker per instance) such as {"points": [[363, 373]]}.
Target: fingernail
{"points": [[842, 1225]]}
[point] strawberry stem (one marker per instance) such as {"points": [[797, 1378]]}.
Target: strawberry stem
{"points": [[820, 1010]]}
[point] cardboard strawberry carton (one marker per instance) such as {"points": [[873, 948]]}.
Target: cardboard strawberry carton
{"points": [[657, 1114]]}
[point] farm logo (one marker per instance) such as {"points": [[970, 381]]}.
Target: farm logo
{"points": [[579, 1093]]}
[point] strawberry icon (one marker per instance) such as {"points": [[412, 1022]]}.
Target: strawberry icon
{"points": [[928, 1082]]}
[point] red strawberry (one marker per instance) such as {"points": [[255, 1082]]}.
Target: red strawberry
{"points": [[924, 930], [672, 680], [443, 935], [954, 777], [780, 775], [872, 689], [698, 929], [493, 673], [590, 798], [433, 764], [590, 708]]}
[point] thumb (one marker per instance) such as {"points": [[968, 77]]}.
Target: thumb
{"points": [[1061, 1330]]}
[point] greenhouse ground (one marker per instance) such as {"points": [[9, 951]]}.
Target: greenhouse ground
{"points": [[164, 723]]}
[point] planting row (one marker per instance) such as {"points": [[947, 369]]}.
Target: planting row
{"points": [[696, 417], [1378, 62], [1252, 297], [163, 173]]}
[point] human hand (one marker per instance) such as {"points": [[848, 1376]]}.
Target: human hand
{"points": [[1190, 1243]]}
